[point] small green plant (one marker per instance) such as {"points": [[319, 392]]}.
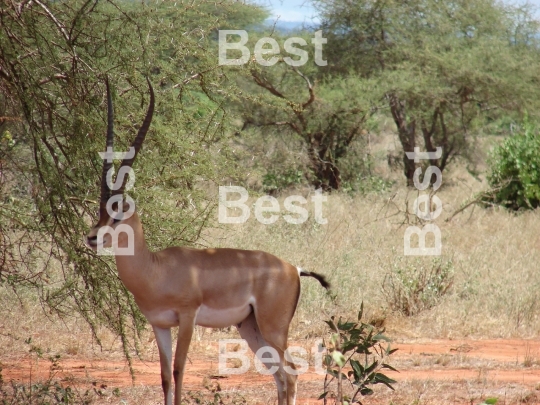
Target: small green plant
{"points": [[489, 401], [213, 398], [415, 287], [515, 170], [43, 393], [274, 181], [357, 353], [367, 184]]}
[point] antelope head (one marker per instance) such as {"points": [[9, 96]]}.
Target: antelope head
{"points": [[114, 209]]}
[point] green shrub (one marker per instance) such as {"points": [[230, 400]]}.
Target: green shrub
{"points": [[515, 170], [274, 180], [414, 287], [368, 184]]}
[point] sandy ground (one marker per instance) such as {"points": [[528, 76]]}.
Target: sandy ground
{"points": [[431, 371]]}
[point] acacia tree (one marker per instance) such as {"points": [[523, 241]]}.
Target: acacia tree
{"points": [[443, 68], [54, 57], [325, 116]]}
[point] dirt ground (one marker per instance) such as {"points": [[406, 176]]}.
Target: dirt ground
{"points": [[430, 372]]}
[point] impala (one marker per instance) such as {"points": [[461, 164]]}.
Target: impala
{"points": [[184, 287]]}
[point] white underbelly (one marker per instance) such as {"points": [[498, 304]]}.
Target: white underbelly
{"points": [[221, 318], [162, 319]]}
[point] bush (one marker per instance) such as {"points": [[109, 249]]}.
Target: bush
{"points": [[356, 354], [415, 287], [274, 180], [515, 170]]}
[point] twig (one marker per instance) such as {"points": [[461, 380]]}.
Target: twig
{"points": [[186, 81], [57, 23], [57, 76], [2, 119], [310, 88], [477, 199]]}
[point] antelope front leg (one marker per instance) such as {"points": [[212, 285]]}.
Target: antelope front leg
{"points": [[163, 339], [185, 331]]}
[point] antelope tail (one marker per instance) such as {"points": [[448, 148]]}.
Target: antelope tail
{"points": [[319, 277]]}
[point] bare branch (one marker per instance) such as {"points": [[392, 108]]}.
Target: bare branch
{"points": [[186, 81], [3, 119], [57, 76], [55, 20], [292, 125], [22, 5], [310, 88], [267, 85], [5, 74]]}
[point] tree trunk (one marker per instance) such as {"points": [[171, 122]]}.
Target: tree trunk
{"points": [[327, 174], [407, 136], [438, 126]]}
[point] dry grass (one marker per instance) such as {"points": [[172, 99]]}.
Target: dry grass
{"points": [[495, 255]]}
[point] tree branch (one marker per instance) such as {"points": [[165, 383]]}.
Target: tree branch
{"points": [[55, 20], [310, 88], [266, 85], [292, 125]]}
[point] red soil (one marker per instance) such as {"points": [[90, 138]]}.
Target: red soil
{"points": [[447, 361]]}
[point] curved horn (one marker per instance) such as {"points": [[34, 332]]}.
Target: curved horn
{"points": [[107, 163], [139, 139]]}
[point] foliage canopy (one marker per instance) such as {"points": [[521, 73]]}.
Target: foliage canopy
{"points": [[443, 68], [54, 56]]}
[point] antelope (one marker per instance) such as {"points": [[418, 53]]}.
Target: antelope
{"points": [[180, 286]]}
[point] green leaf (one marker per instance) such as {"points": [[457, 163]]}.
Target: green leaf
{"points": [[381, 378], [345, 347], [366, 391], [323, 395], [339, 358], [361, 312], [380, 336], [357, 368], [333, 373], [327, 360], [346, 326], [372, 367], [388, 366]]}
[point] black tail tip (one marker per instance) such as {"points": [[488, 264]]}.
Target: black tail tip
{"points": [[319, 277]]}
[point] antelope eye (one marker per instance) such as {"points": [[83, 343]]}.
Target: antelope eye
{"points": [[116, 220]]}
